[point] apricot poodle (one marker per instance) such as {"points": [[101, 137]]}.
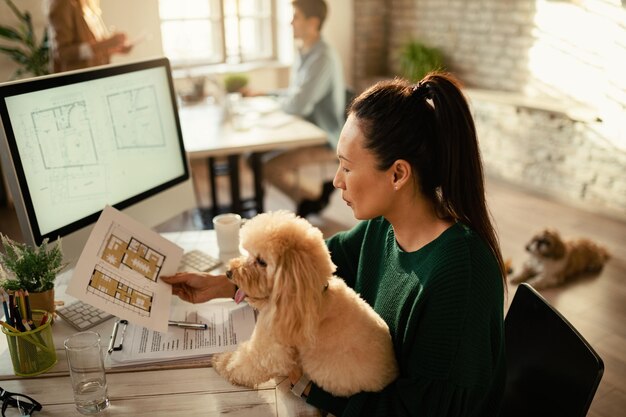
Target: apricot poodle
{"points": [[308, 317]]}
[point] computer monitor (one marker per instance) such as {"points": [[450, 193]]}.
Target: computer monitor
{"points": [[74, 142]]}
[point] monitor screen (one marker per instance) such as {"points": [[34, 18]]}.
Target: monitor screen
{"points": [[80, 140]]}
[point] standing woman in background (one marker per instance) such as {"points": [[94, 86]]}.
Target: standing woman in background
{"points": [[78, 36]]}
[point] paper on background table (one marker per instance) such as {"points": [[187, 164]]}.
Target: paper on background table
{"points": [[229, 325], [120, 267]]}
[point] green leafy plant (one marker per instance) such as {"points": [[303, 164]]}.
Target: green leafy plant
{"points": [[30, 268], [417, 60], [32, 56], [235, 82]]}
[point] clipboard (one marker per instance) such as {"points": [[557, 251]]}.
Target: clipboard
{"points": [[228, 325], [112, 347]]}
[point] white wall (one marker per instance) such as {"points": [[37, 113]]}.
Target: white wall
{"points": [[339, 31], [140, 20]]}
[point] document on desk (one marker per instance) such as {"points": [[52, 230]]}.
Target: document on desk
{"points": [[120, 267], [228, 325]]}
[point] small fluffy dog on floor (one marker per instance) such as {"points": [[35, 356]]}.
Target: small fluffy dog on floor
{"points": [[553, 260], [307, 318]]}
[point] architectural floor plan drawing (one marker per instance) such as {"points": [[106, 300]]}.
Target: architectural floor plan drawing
{"points": [[135, 117], [62, 149], [64, 136], [119, 291], [120, 267], [133, 254]]}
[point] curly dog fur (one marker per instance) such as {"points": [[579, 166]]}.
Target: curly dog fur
{"points": [[308, 317]]}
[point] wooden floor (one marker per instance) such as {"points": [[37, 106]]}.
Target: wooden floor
{"points": [[595, 306]]}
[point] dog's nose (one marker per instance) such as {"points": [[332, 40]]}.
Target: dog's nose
{"points": [[229, 274]]}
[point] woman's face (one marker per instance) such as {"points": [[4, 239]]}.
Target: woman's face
{"points": [[366, 189]]}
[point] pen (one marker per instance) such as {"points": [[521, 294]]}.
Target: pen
{"points": [[29, 314], [44, 319], [22, 304], [11, 328], [187, 325], [17, 317], [7, 316], [26, 325], [10, 306]]}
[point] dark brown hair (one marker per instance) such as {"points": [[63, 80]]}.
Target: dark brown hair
{"points": [[312, 8], [430, 126]]}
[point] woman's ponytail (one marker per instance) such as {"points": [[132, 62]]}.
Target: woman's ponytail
{"points": [[462, 193]]}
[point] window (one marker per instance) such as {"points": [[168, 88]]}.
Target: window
{"points": [[198, 32]]}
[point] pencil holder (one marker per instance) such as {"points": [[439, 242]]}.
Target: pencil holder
{"points": [[32, 352]]}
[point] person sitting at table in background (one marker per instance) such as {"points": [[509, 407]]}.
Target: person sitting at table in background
{"points": [[425, 255], [317, 93], [78, 36]]}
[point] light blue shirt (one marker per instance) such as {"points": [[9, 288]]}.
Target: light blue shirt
{"points": [[317, 90]]}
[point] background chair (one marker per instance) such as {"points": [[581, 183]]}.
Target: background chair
{"points": [[551, 369]]}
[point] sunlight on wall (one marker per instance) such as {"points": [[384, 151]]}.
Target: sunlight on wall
{"points": [[580, 53]]}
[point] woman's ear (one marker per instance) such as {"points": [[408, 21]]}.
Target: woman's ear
{"points": [[400, 173]]}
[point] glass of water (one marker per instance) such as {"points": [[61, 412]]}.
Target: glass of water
{"points": [[85, 360]]}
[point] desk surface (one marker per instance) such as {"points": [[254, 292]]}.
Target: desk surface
{"points": [[206, 133], [187, 388]]}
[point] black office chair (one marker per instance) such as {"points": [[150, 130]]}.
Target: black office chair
{"points": [[551, 369]]}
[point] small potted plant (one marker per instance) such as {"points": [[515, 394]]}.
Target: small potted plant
{"points": [[235, 83], [31, 268], [417, 60]]}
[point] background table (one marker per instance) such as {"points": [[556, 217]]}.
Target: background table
{"points": [[190, 387], [209, 133]]}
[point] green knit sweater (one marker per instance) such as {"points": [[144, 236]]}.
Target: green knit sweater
{"points": [[444, 307]]}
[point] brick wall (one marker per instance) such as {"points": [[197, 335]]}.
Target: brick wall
{"points": [[494, 45], [484, 42], [552, 153], [371, 34]]}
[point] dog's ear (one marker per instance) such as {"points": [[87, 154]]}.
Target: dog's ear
{"points": [[557, 245], [296, 297]]}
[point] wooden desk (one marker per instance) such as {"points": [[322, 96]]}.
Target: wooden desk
{"points": [[189, 388], [208, 135]]}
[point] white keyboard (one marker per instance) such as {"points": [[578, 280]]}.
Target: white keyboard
{"points": [[82, 316], [198, 261]]}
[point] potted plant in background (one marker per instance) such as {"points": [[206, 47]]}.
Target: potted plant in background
{"points": [[234, 83], [23, 267], [31, 56], [417, 60]]}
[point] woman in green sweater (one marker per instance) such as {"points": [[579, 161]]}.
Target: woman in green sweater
{"points": [[426, 256]]}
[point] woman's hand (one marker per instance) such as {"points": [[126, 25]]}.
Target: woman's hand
{"points": [[116, 43], [200, 287]]}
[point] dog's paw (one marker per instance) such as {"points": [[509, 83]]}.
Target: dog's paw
{"points": [[542, 282], [220, 363], [516, 279], [524, 275], [223, 365]]}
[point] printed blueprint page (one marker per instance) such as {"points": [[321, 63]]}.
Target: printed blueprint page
{"points": [[120, 268]]}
